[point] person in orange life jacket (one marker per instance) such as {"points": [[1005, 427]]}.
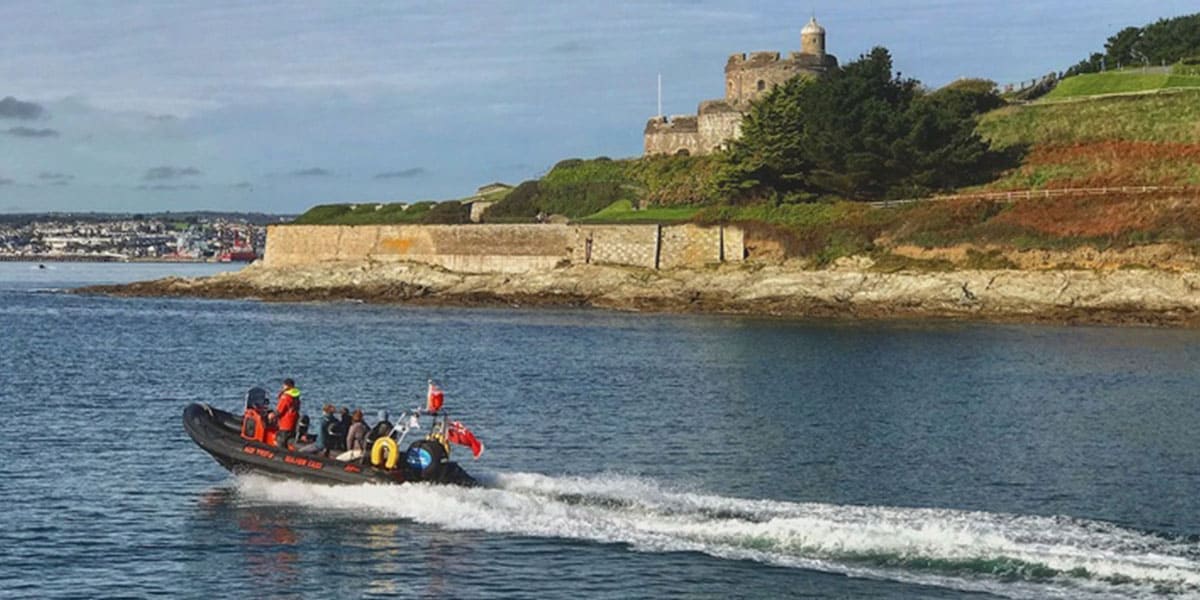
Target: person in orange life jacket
{"points": [[286, 413]]}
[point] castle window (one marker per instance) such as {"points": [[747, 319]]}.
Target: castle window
{"points": [[762, 85]]}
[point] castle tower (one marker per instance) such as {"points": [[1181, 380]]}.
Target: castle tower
{"points": [[812, 39]]}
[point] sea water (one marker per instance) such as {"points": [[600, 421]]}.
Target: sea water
{"points": [[628, 455]]}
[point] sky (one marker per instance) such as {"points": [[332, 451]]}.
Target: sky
{"points": [[273, 106]]}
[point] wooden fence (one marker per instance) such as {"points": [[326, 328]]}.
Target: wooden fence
{"points": [[1046, 193]]}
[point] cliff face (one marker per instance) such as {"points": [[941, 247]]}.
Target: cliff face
{"points": [[1077, 296]]}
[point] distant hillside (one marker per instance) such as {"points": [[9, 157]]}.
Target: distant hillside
{"points": [[21, 219]]}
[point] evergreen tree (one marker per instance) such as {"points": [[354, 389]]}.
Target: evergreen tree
{"points": [[860, 133], [1164, 41]]}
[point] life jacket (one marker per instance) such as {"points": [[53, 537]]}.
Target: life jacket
{"points": [[288, 409]]}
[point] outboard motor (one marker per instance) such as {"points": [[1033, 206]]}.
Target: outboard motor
{"points": [[426, 460], [254, 420]]}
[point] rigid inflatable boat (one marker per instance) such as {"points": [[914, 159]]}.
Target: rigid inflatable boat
{"points": [[245, 444]]}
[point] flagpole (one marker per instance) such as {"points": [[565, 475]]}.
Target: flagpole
{"points": [[660, 95]]}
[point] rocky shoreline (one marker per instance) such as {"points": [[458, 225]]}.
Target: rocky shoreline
{"points": [[1121, 297]]}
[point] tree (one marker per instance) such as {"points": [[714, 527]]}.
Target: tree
{"points": [[861, 132], [1164, 41]]}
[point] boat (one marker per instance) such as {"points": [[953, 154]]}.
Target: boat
{"points": [[240, 251], [246, 444], [238, 254]]}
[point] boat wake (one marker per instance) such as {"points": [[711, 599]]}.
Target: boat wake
{"points": [[1005, 554]]}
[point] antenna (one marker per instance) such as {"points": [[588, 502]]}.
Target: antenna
{"points": [[660, 95]]}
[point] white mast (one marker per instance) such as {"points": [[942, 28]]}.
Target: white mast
{"points": [[660, 95]]}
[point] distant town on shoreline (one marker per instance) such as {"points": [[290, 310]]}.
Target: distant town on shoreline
{"points": [[99, 237]]}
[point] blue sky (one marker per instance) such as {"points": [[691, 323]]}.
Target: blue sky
{"points": [[275, 106]]}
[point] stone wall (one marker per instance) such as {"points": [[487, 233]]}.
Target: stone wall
{"points": [[669, 136], [466, 248], [719, 123], [505, 248], [633, 245], [749, 77]]}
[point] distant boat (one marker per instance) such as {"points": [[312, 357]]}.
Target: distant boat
{"points": [[41, 266], [238, 254]]}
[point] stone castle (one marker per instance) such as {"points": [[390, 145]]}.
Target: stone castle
{"points": [[747, 78]]}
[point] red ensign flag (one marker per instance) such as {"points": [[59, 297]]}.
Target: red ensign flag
{"points": [[459, 434], [433, 402]]}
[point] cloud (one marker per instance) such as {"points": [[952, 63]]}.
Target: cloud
{"points": [[242, 185], [6, 181], [402, 174], [52, 178], [569, 47], [168, 172], [168, 187], [30, 132], [311, 172], [11, 108]]}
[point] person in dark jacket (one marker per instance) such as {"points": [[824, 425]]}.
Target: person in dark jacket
{"points": [[337, 431], [381, 429], [324, 433]]}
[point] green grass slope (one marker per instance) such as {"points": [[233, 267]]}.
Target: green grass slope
{"points": [[1166, 117], [622, 211], [1119, 82]]}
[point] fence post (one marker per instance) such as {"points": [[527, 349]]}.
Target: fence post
{"points": [[657, 245]]}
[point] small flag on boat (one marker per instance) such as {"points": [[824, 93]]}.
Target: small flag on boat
{"points": [[433, 402], [459, 434]]}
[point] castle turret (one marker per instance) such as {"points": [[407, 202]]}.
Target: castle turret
{"points": [[812, 39], [748, 77]]}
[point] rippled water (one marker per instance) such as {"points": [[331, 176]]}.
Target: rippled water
{"points": [[628, 455]]}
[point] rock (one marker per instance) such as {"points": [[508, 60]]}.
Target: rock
{"points": [[850, 290]]}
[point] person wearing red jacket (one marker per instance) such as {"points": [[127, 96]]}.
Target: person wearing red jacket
{"points": [[287, 412]]}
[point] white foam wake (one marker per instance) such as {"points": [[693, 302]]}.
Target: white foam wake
{"points": [[1012, 555]]}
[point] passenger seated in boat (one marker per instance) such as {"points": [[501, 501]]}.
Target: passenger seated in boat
{"points": [[381, 429], [338, 430], [321, 445], [356, 438]]}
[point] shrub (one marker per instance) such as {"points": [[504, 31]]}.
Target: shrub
{"points": [[451, 212]]}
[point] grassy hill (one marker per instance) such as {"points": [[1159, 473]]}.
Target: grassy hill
{"points": [[1165, 117], [1101, 142], [1120, 82], [395, 213]]}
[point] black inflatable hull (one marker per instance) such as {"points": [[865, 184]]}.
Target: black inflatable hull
{"points": [[218, 433]]}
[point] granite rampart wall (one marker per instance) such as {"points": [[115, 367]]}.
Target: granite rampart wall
{"points": [[505, 248]]}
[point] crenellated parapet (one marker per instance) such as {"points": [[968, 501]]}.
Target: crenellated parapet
{"points": [[674, 135], [672, 124], [748, 77]]}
